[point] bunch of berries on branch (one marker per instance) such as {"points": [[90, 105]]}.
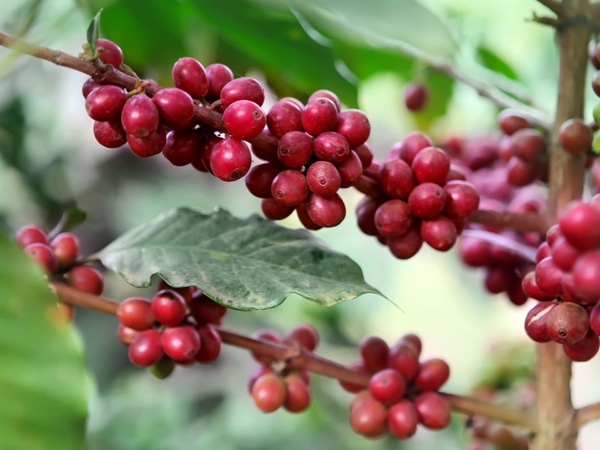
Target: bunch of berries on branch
{"points": [[175, 327]]}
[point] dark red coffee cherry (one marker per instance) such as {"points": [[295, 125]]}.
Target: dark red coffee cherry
{"points": [[403, 419], [324, 93], [230, 159], [201, 161], [89, 85], [206, 310], [475, 252], [66, 249], [269, 392], [284, 117], [181, 147], [585, 349], [43, 255], [404, 357], [180, 343], [289, 188], [304, 218], [189, 75], [260, 178], [462, 199], [415, 97], [210, 344], [427, 200], [374, 352], [407, 245], [305, 336], [440, 233], [498, 279], [297, 397], [365, 154], [146, 350], [218, 75], [510, 122], [413, 341], [387, 386], [109, 53], [397, 179], [295, 149], [575, 136], [564, 255], [528, 144], [520, 172], [580, 224], [413, 144], [140, 116], [537, 320], [242, 89], [432, 375], [431, 165], [168, 307], [105, 103], [433, 410], [274, 210], [365, 215], [244, 120], [326, 212], [136, 313], [30, 234], [354, 126], [319, 116], [87, 279], [393, 218], [567, 323], [548, 277], [110, 134], [126, 335], [331, 146], [350, 169], [150, 145], [175, 106], [368, 416], [323, 179]]}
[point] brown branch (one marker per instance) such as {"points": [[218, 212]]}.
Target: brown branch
{"points": [[587, 414], [474, 406], [515, 221], [554, 6]]}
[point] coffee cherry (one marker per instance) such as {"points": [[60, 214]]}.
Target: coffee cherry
{"points": [[567, 323], [150, 145], [66, 249], [259, 372], [323, 179], [242, 89], [548, 277], [109, 53], [43, 255], [528, 144], [210, 344], [284, 117], [162, 369], [269, 392], [463, 199], [259, 179], [274, 210], [404, 358], [365, 154], [393, 218], [135, 313], [537, 320], [543, 252], [368, 417], [413, 144], [105, 103], [397, 179], [289, 188], [168, 307], [324, 93], [575, 136], [354, 126], [140, 116], [297, 397], [407, 245], [30, 234], [564, 255], [180, 343], [585, 349], [218, 75], [89, 85], [175, 106], [110, 134], [181, 147], [427, 200], [244, 119], [305, 336], [412, 340], [580, 224], [440, 233], [595, 319], [86, 279], [350, 169], [358, 366], [331, 146], [126, 335], [201, 161], [269, 336], [374, 352], [326, 212], [402, 419], [295, 149], [305, 220], [431, 165], [455, 174], [415, 97], [387, 386], [510, 122], [475, 252], [146, 350], [320, 116], [432, 375], [531, 288], [365, 216], [206, 310], [433, 410], [521, 172], [497, 279], [230, 159], [189, 75]]}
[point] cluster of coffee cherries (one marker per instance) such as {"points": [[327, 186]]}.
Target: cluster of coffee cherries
{"points": [[566, 281], [402, 391], [417, 196], [416, 96], [176, 327], [274, 385]]}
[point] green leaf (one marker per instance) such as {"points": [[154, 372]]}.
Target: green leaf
{"points": [[492, 61], [70, 219], [43, 382], [244, 264], [93, 32]]}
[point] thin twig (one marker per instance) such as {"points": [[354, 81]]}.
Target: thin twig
{"points": [[587, 414], [515, 221], [554, 6]]}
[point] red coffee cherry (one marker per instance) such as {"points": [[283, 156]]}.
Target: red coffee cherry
{"points": [[433, 410], [210, 344], [140, 116], [274, 210], [30, 234], [181, 147], [297, 397], [269, 336], [521, 172], [368, 416], [387, 386], [331, 146], [575, 136], [189, 75], [305, 336], [260, 178], [110, 53], [475, 252], [289, 188], [397, 179], [284, 117], [537, 320], [244, 119], [66, 249], [175, 106], [402, 419], [427, 200], [259, 372], [510, 122], [462, 199], [432, 375], [595, 319], [180, 343], [548, 277], [528, 144], [323, 179], [413, 144], [110, 134], [567, 323], [412, 340], [150, 145], [230, 159], [580, 224], [269, 392], [243, 89], [531, 288], [354, 126], [295, 149], [350, 169], [324, 93], [393, 218], [146, 350], [136, 313], [43, 255], [585, 349], [206, 310], [415, 97], [365, 154], [407, 245], [326, 212], [319, 116], [431, 165], [126, 335], [304, 218], [168, 307], [218, 75], [586, 277], [358, 366], [365, 215], [89, 85], [440, 233], [405, 359], [374, 352], [201, 161], [564, 255], [87, 279], [105, 103]]}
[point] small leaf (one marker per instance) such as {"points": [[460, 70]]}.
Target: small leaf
{"points": [[244, 264], [492, 61], [70, 219], [93, 32]]}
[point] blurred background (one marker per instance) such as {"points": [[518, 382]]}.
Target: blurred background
{"points": [[49, 161]]}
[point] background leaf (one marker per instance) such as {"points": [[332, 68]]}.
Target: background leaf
{"points": [[244, 264], [93, 32], [43, 383]]}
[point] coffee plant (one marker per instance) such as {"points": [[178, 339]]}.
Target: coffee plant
{"points": [[512, 202]]}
